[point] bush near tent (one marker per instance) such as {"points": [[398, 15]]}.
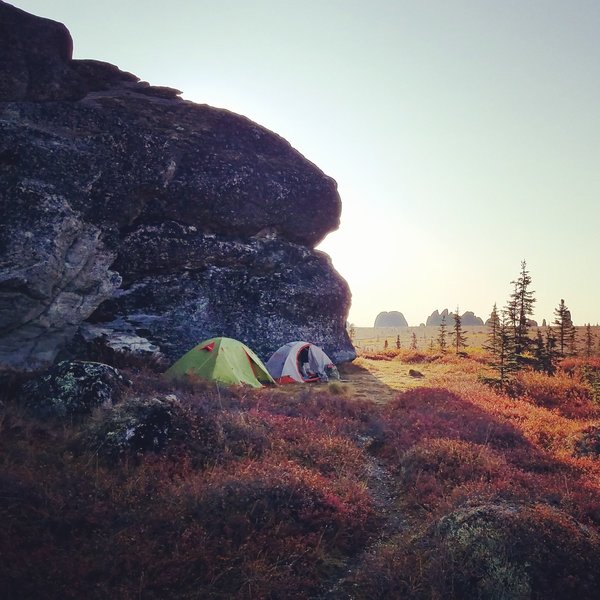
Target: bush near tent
{"points": [[300, 362], [223, 360]]}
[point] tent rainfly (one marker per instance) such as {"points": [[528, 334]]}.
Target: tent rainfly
{"points": [[300, 362], [223, 360]]}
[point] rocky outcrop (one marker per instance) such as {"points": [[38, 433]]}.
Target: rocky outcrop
{"points": [[73, 389], [468, 318], [530, 323], [435, 318], [150, 222], [137, 425], [514, 551], [390, 319]]}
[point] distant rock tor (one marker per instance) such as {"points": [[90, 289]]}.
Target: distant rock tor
{"points": [[530, 323], [466, 319], [469, 319], [390, 319], [147, 222]]}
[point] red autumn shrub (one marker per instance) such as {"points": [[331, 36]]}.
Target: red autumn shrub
{"points": [[301, 493], [435, 412], [575, 366], [433, 468], [242, 434], [570, 397], [337, 415], [588, 443], [286, 496], [418, 357], [281, 514], [161, 528], [242, 501], [315, 445], [386, 355]]}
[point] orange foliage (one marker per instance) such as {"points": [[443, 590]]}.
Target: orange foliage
{"points": [[568, 396]]}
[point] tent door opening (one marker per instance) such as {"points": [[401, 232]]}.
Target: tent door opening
{"points": [[304, 365]]}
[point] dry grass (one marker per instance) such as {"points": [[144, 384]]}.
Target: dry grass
{"points": [[372, 339], [380, 376]]}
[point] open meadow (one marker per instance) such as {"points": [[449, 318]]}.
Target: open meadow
{"points": [[410, 478], [372, 339]]}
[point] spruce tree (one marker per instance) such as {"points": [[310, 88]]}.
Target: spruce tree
{"points": [[564, 327], [573, 341], [492, 341], [539, 352], [551, 351], [519, 309], [545, 352], [441, 339], [413, 341], [505, 362], [589, 341], [511, 311], [459, 339]]}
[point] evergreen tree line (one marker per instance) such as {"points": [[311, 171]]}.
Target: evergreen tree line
{"points": [[509, 340]]}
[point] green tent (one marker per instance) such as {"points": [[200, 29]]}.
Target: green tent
{"points": [[224, 360]]}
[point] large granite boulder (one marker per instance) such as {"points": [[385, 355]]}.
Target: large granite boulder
{"points": [[129, 213]]}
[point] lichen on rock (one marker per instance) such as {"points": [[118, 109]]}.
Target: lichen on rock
{"points": [[73, 389], [136, 426], [505, 551]]}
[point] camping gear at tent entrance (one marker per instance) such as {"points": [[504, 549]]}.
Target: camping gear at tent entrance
{"points": [[301, 362], [223, 360]]}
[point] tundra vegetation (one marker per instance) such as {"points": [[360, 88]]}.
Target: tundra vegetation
{"points": [[381, 485], [422, 474]]}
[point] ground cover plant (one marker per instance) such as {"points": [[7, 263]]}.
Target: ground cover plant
{"points": [[382, 485]]}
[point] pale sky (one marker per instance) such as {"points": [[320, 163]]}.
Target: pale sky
{"points": [[464, 134]]}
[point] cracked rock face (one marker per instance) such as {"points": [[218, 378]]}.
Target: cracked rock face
{"points": [[131, 212]]}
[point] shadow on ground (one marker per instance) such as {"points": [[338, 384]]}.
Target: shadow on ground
{"points": [[365, 386]]}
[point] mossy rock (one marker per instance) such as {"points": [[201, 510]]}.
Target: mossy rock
{"points": [[73, 389], [512, 552], [138, 425]]}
